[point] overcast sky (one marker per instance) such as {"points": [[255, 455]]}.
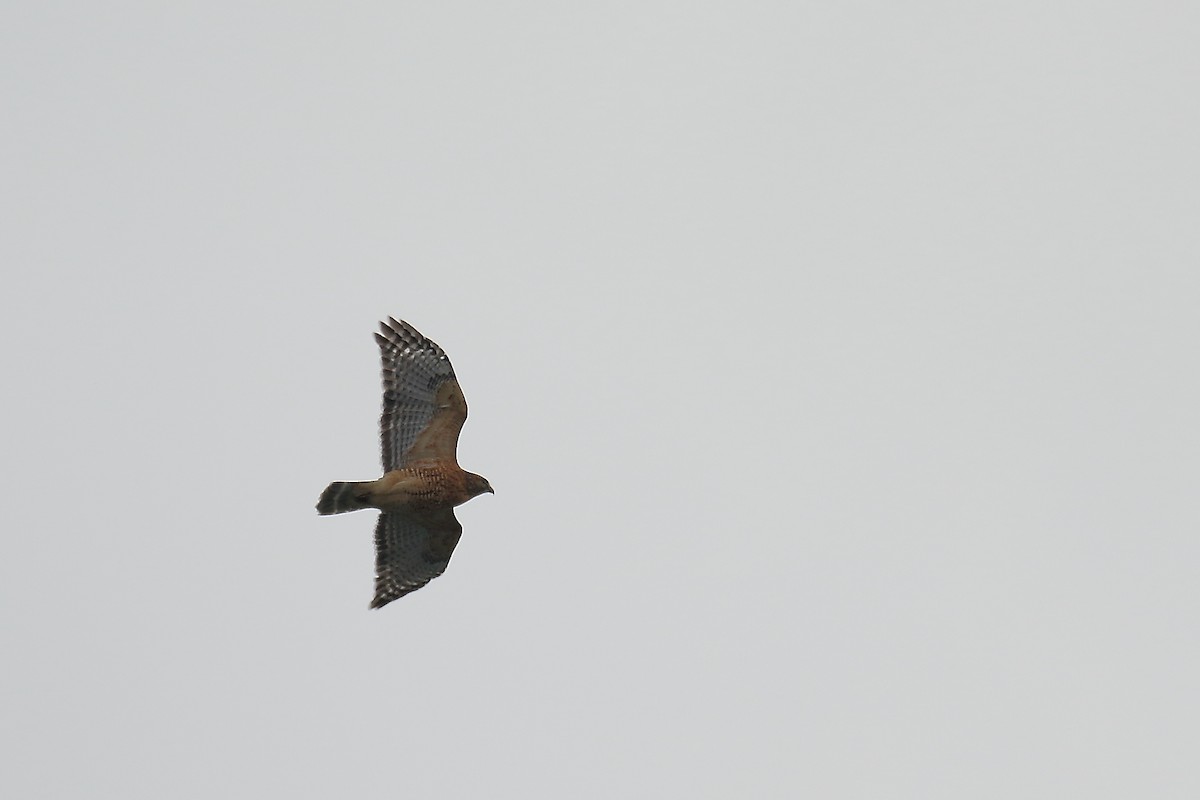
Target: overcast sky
{"points": [[835, 365]]}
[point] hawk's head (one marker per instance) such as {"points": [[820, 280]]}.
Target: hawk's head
{"points": [[477, 485]]}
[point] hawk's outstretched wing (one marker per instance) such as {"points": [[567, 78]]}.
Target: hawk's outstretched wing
{"points": [[423, 407], [411, 549]]}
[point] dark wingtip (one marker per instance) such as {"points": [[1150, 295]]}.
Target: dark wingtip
{"points": [[394, 326]]}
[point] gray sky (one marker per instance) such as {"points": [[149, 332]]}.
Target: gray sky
{"points": [[834, 364]]}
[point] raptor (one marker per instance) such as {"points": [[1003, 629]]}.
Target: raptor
{"points": [[423, 413]]}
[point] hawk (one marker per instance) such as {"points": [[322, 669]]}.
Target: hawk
{"points": [[423, 412]]}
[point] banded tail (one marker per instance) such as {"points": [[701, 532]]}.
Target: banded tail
{"points": [[342, 496]]}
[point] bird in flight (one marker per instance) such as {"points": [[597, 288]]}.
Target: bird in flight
{"points": [[423, 412]]}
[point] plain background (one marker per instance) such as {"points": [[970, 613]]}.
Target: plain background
{"points": [[834, 364]]}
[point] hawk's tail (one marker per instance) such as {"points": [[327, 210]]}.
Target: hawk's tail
{"points": [[342, 496]]}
